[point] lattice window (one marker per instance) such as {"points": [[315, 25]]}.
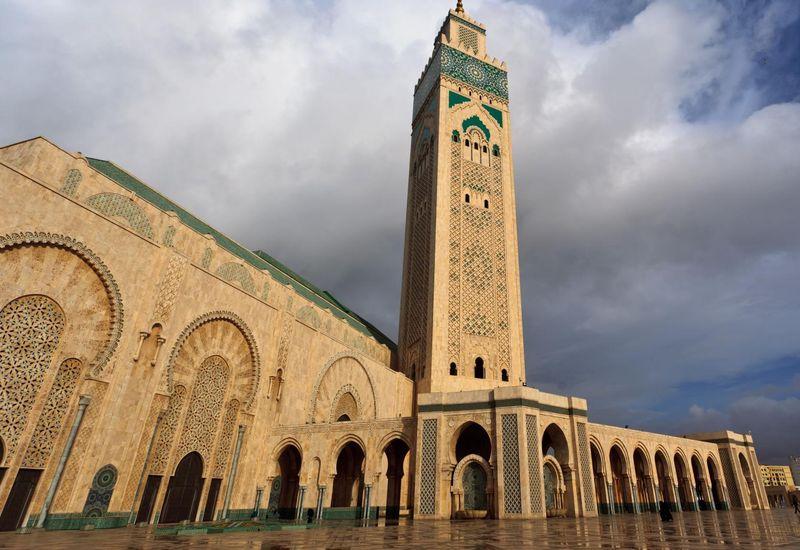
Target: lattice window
{"points": [[115, 205], [468, 38], [205, 261], [512, 498], [427, 491], [477, 177], [204, 408], [586, 467], [730, 478], [30, 328], [169, 236], [237, 273], [310, 317], [226, 437], [53, 414], [168, 428], [71, 182], [100, 494], [532, 435]]}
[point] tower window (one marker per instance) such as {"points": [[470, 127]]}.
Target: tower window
{"points": [[475, 146], [486, 203], [466, 143], [496, 150], [485, 149], [480, 372], [466, 198], [504, 375], [456, 136], [453, 369]]}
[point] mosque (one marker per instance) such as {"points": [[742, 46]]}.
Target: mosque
{"points": [[155, 371]]}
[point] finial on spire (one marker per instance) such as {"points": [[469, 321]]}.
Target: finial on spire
{"points": [[460, 7]]}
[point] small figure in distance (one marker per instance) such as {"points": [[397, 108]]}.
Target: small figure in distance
{"points": [[664, 511], [795, 504]]}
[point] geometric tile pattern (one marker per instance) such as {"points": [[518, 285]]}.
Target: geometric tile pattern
{"points": [[513, 501], [30, 328], [532, 435], [586, 467], [427, 491], [100, 494], [53, 414], [474, 72], [115, 205]]}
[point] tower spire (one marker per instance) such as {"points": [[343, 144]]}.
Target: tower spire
{"points": [[459, 7]]}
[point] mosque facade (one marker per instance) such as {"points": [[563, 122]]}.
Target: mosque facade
{"points": [[156, 371]]}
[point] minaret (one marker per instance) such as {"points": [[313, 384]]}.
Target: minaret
{"points": [[461, 318]]}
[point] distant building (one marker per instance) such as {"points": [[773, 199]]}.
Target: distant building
{"points": [[794, 466], [778, 483], [777, 476]]}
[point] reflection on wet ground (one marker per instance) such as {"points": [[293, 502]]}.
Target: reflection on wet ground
{"points": [[774, 528]]}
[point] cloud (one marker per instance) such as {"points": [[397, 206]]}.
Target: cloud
{"points": [[655, 158]]}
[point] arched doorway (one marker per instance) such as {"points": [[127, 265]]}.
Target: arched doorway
{"points": [[600, 489], [555, 451], [716, 485], [395, 453], [644, 480], [619, 481], [748, 477], [685, 492], [183, 493], [349, 477], [665, 481], [473, 439], [699, 484], [289, 463], [471, 485]]}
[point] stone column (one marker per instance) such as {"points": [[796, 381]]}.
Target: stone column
{"points": [[257, 503], [132, 517], [367, 495], [677, 493], [320, 502], [301, 497], [232, 476], [51, 492], [611, 503]]}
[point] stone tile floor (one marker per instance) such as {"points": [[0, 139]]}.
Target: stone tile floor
{"points": [[770, 529]]}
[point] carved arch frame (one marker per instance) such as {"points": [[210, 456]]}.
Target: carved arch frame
{"points": [[245, 331], [312, 404], [117, 315]]}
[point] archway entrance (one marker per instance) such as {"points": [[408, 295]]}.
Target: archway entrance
{"points": [[665, 481], [748, 477], [699, 485], [555, 451], [183, 493], [349, 477], [471, 486], [600, 489], [716, 485], [619, 480], [644, 481], [289, 463], [473, 440], [685, 492], [396, 453]]}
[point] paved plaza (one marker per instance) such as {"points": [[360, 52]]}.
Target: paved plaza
{"points": [[756, 529]]}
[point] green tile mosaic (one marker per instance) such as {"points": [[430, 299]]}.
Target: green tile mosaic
{"points": [[457, 99], [496, 114], [470, 70], [475, 120]]}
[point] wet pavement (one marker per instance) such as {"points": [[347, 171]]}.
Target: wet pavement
{"points": [[769, 529]]}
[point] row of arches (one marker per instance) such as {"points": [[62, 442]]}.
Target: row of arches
{"points": [[644, 481], [478, 370], [350, 491]]}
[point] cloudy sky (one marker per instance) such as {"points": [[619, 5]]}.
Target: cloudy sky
{"points": [[657, 154]]}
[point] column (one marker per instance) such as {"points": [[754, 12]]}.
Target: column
{"points": [[301, 497], [320, 502], [232, 476], [51, 492]]}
